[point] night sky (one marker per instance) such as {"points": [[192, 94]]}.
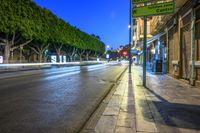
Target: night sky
{"points": [[107, 18]]}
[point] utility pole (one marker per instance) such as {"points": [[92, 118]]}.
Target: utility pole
{"points": [[130, 35], [144, 11], [144, 50]]}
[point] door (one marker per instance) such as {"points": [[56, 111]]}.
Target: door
{"points": [[186, 51]]}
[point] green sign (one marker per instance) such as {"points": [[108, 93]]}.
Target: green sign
{"points": [[140, 1], [144, 1], [155, 9]]}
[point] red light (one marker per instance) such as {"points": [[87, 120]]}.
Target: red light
{"points": [[124, 53]]}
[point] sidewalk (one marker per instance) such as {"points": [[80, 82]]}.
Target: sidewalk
{"points": [[167, 105]]}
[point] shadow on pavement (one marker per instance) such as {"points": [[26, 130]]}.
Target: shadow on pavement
{"points": [[177, 115]]}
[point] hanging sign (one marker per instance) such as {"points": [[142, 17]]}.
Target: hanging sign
{"points": [[140, 1], [144, 1], [155, 9]]}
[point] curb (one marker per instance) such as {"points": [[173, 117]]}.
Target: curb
{"points": [[100, 101]]}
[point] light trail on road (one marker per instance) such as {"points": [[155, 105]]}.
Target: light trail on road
{"points": [[53, 100]]}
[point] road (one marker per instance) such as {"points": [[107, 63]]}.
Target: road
{"points": [[57, 100]]}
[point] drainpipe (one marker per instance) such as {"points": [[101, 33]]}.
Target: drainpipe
{"points": [[192, 81]]}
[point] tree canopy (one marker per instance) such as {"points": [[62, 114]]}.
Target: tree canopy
{"points": [[24, 20]]}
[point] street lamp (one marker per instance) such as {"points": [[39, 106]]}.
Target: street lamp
{"points": [[107, 46], [130, 37]]}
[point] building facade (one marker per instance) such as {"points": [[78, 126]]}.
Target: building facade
{"points": [[175, 45]]}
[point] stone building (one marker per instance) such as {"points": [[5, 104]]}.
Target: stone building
{"points": [[176, 42]]}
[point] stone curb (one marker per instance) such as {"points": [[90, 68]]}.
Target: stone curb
{"points": [[101, 100]]}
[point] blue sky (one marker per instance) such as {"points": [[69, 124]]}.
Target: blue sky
{"points": [[107, 18]]}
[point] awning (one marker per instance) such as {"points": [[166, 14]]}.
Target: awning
{"points": [[149, 41]]}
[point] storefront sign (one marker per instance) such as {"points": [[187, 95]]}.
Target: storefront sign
{"points": [[155, 9]]}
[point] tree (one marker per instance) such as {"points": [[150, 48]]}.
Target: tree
{"points": [[25, 23], [15, 26]]}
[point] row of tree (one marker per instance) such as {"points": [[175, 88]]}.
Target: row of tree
{"points": [[25, 24]]}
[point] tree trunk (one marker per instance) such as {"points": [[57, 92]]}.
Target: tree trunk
{"points": [[71, 58], [20, 55], [40, 57], [58, 51], [39, 50], [12, 56], [58, 56], [87, 56], [74, 58], [80, 53], [80, 56], [6, 53], [72, 55]]}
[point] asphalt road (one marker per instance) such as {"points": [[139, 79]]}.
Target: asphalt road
{"points": [[57, 100]]}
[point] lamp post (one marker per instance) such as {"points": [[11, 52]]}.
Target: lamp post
{"points": [[144, 50], [130, 36]]}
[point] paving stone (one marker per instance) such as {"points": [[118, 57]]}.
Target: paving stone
{"points": [[106, 124], [126, 122], [183, 130], [126, 115], [145, 125], [124, 130], [128, 102], [88, 131], [128, 98], [115, 103], [119, 93], [128, 108], [111, 111]]}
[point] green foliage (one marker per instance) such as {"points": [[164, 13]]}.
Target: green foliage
{"points": [[29, 20]]}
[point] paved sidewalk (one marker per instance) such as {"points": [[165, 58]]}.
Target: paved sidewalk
{"points": [[119, 115], [124, 112], [167, 105]]}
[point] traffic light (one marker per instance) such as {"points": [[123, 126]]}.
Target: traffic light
{"points": [[125, 53]]}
